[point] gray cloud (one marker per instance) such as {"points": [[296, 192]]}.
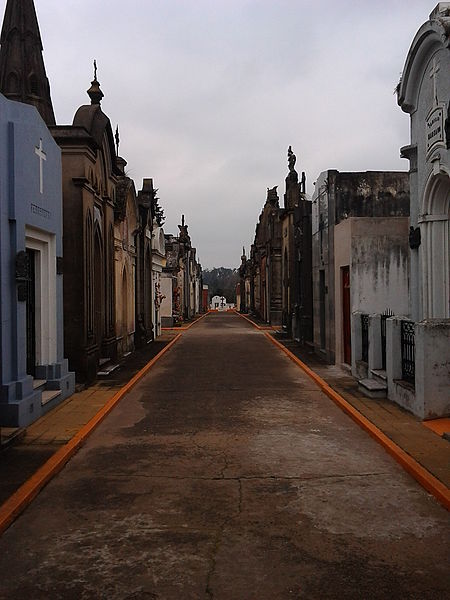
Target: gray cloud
{"points": [[209, 94]]}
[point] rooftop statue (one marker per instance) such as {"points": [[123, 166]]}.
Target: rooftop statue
{"points": [[291, 159]]}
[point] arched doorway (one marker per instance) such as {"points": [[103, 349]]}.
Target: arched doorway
{"points": [[147, 292], [434, 248], [125, 310], [99, 304]]}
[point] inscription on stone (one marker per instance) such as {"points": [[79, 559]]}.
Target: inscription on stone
{"points": [[37, 210], [434, 128]]}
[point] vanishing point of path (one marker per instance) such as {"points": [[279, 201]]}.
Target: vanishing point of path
{"points": [[227, 474]]}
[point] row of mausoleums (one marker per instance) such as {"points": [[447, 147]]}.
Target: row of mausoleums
{"points": [[87, 273], [361, 272]]}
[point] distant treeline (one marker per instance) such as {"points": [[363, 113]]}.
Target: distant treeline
{"points": [[221, 282]]}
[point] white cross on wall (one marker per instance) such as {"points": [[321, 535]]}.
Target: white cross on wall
{"points": [[42, 156], [434, 71]]}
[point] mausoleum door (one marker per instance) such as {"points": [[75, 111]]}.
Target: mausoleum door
{"points": [[99, 303], [125, 310], [434, 249], [322, 319], [31, 313], [147, 296], [346, 306]]}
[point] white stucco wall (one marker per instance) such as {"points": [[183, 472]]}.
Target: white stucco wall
{"points": [[166, 290]]}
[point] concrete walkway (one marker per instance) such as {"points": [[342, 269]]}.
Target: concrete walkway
{"points": [[40, 440], [421, 440], [227, 474]]}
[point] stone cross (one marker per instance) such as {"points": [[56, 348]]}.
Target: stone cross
{"points": [[42, 156], [434, 71]]}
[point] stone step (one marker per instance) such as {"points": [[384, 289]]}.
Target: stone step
{"points": [[103, 361], [49, 395], [37, 383], [372, 388], [379, 375], [10, 435], [107, 370]]}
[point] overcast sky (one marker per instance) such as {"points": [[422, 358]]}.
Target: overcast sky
{"points": [[209, 94]]}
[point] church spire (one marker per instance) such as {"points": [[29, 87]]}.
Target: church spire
{"points": [[22, 70]]}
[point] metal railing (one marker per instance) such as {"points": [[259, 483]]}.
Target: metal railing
{"points": [[365, 338], [408, 351]]}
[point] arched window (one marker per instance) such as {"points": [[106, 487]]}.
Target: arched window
{"points": [[111, 276], [89, 273], [33, 85], [12, 84]]}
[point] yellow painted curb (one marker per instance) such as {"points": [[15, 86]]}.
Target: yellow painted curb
{"points": [[186, 327], [424, 477], [249, 320], [197, 320], [17, 503], [266, 327]]}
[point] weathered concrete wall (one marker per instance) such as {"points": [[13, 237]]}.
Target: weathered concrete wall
{"points": [[379, 264], [433, 368], [323, 260], [374, 198], [342, 258], [372, 194]]}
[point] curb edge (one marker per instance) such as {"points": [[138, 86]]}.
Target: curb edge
{"points": [[22, 497]]}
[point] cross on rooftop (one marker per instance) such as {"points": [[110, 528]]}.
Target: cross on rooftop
{"points": [[433, 72], [42, 156]]}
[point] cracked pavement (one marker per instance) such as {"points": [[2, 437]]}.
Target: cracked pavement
{"points": [[227, 474]]}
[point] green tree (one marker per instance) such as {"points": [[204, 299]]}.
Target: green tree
{"points": [[221, 282], [157, 210]]}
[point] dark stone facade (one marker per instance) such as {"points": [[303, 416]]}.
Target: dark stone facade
{"points": [[90, 177], [22, 71], [276, 280], [144, 326], [296, 258]]}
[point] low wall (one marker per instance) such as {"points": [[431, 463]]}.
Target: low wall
{"points": [[429, 397], [433, 367]]}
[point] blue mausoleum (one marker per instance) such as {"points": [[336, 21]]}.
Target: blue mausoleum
{"points": [[34, 374]]}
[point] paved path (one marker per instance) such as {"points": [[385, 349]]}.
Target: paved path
{"points": [[227, 474]]}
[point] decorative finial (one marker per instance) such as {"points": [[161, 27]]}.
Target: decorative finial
{"points": [[182, 220], [243, 250], [117, 138], [94, 92], [291, 159]]}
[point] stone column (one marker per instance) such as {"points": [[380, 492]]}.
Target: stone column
{"points": [[375, 359], [356, 341]]}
